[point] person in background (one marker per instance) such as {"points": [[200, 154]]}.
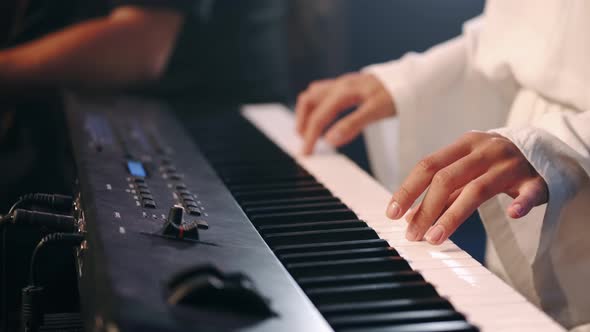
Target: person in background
{"points": [[521, 68], [215, 48], [206, 51]]}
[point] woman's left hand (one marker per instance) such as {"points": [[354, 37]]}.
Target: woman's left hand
{"points": [[460, 178]]}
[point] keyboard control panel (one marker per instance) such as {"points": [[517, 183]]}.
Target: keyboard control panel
{"points": [[210, 226]]}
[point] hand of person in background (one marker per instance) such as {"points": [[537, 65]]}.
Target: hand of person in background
{"points": [[131, 45], [460, 178], [323, 100]]}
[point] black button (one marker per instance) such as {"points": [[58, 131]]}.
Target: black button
{"points": [[149, 203], [184, 192], [188, 196], [202, 224], [175, 177], [181, 186], [142, 186], [190, 204], [194, 211]]}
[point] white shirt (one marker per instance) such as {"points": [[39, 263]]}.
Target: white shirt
{"points": [[522, 67]]}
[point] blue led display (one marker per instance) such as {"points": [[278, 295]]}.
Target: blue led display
{"points": [[136, 169]]}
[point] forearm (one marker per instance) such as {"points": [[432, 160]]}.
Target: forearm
{"points": [[127, 47]]}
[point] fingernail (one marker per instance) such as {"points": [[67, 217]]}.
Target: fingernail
{"points": [[393, 210], [518, 209], [435, 234]]}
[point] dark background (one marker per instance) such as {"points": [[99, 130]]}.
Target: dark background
{"points": [[330, 37]]}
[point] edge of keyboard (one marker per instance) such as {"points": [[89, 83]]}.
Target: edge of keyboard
{"points": [[470, 287]]}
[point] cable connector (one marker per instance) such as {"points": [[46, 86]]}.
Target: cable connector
{"points": [[55, 222], [32, 308], [54, 202]]}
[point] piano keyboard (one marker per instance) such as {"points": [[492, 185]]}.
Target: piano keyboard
{"points": [[324, 219]]}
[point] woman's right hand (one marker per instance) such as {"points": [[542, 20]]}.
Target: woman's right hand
{"points": [[322, 101]]}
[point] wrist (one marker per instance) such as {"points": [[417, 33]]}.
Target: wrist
{"points": [[7, 68], [3, 66], [14, 78]]}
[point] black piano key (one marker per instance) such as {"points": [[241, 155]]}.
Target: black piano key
{"points": [[449, 326], [261, 167], [346, 266], [328, 246], [395, 318], [267, 178], [359, 278], [385, 306], [283, 189], [230, 160], [224, 158], [310, 226], [289, 201], [271, 162], [285, 164], [339, 254], [296, 207], [304, 216], [256, 172], [330, 235], [274, 185], [281, 194], [371, 292]]}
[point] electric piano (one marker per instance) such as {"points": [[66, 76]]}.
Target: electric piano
{"points": [[204, 220]]}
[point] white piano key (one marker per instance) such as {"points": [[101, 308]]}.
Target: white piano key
{"points": [[277, 123], [479, 285], [446, 250], [384, 228], [485, 299], [379, 219], [466, 303], [423, 265]]}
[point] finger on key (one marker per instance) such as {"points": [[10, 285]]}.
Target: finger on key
{"points": [[472, 196], [444, 183], [308, 100], [338, 101], [421, 176]]}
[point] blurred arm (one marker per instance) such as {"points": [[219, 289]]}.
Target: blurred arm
{"points": [[129, 46]]}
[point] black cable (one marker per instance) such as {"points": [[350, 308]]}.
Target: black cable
{"points": [[55, 222], [51, 201], [32, 295], [66, 238]]}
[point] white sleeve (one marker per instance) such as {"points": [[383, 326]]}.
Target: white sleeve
{"points": [[438, 94], [557, 144]]}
